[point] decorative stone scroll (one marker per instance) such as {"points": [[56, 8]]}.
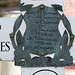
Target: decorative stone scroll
{"points": [[42, 37]]}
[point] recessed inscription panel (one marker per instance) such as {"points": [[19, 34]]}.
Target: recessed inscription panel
{"points": [[42, 37], [42, 33]]}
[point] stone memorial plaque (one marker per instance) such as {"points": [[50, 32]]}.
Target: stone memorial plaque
{"points": [[6, 48], [42, 37]]}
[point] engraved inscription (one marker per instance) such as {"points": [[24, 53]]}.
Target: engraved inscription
{"points": [[0, 27], [43, 34]]}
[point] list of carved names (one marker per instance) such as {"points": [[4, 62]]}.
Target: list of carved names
{"points": [[43, 30]]}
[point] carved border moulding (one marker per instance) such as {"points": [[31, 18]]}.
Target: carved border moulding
{"points": [[42, 37]]}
